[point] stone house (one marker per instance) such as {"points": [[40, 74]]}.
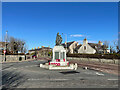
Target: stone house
{"points": [[41, 52], [91, 48], [70, 46], [86, 48]]}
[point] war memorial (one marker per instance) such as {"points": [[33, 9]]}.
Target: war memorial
{"points": [[59, 60]]}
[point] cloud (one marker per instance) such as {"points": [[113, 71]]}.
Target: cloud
{"points": [[93, 41], [77, 35], [81, 41]]}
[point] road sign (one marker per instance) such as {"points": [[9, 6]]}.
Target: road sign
{"points": [[4, 51]]}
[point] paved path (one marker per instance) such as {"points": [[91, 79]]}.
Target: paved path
{"points": [[30, 75]]}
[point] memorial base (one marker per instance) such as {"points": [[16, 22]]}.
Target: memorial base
{"points": [[56, 67], [59, 60]]}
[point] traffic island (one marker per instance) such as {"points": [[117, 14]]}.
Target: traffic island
{"points": [[59, 61]]}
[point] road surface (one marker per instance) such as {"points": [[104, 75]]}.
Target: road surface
{"points": [[29, 75]]}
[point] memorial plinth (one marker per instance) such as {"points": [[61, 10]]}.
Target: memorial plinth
{"points": [[59, 60]]}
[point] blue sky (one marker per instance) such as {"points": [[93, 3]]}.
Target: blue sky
{"points": [[38, 23]]}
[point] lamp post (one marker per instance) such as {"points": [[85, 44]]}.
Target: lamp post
{"points": [[65, 40]]}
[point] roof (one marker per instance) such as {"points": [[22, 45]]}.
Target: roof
{"points": [[94, 44], [41, 48], [78, 46], [68, 44]]}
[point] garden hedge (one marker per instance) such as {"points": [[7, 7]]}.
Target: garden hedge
{"points": [[100, 56]]}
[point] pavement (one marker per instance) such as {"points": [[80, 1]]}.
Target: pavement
{"points": [[30, 75]]}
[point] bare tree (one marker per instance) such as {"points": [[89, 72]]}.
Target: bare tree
{"points": [[116, 46], [106, 45], [16, 45]]}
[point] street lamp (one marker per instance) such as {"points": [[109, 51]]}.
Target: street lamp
{"points": [[65, 40], [5, 48]]}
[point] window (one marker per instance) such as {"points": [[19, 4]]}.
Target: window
{"points": [[56, 55], [63, 55], [84, 47]]}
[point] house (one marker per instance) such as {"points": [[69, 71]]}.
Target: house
{"points": [[86, 48], [99, 47], [41, 52], [70, 46], [91, 48]]}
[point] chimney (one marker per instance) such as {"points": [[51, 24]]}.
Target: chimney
{"points": [[100, 43], [85, 41], [42, 46]]}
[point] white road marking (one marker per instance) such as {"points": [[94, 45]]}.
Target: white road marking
{"points": [[14, 68], [59, 79], [112, 79], [100, 74], [47, 79]]}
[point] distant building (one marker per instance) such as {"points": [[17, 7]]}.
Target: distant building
{"points": [[41, 52], [70, 46]]}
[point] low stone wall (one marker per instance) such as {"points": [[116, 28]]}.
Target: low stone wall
{"points": [[15, 58], [110, 61]]}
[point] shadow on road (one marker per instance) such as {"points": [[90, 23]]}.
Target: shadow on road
{"points": [[69, 72], [12, 79], [7, 67]]}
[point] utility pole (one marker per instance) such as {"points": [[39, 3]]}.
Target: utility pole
{"points": [[5, 49], [65, 40]]}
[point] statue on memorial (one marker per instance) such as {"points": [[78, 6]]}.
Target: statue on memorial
{"points": [[58, 39]]}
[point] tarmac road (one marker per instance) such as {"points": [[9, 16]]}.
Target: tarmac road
{"points": [[29, 75]]}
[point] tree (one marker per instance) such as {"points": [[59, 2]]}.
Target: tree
{"points": [[105, 45], [116, 46], [50, 53], [111, 49], [16, 45]]}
